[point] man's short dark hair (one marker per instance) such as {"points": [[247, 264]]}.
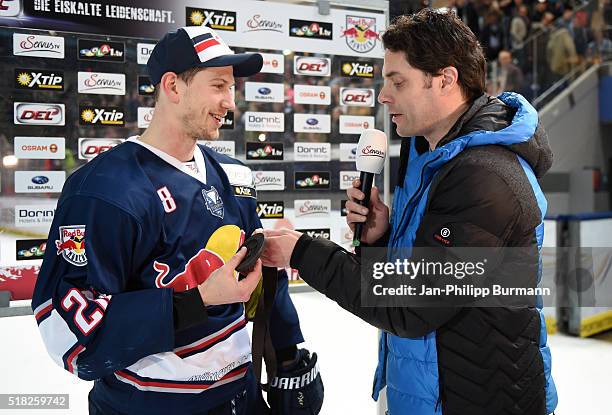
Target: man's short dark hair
{"points": [[433, 40], [186, 77]]}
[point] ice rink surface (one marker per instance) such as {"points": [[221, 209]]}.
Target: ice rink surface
{"points": [[347, 350]]}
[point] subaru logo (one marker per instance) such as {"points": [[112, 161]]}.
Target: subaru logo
{"points": [[312, 121], [354, 151], [40, 179], [264, 91]]}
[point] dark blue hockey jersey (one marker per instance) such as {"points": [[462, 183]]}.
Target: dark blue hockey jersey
{"points": [[131, 226]]}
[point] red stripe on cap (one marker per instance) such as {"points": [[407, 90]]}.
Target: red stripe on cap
{"points": [[205, 45]]}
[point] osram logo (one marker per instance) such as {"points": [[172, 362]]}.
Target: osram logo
{"points": [[29, 113], [358, 97], [308, 65], [91, 147]]}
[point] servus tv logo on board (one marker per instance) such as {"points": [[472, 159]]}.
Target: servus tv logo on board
{"points": [[38, 46]]}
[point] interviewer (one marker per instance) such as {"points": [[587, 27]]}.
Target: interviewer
{"points": [[468, 172]]}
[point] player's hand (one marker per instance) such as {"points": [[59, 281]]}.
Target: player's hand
{"points": [[375, 216], [279, 246], [223, 287]]}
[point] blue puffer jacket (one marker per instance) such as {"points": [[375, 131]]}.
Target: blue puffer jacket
{"points": [[409, 367]]}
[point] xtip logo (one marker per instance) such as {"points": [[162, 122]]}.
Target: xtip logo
{"points": [[316, 233], [109, 116], [43, 80], [215, 19], [271, 210], [357, 69]]}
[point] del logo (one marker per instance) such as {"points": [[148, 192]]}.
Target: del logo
{"points": [[360, 33], [444, 236], [310, 65], [110, 116], [357, 69], [71, 244], [221, 246], [41, 80], [10, 7], [215, 19], [213, 201]]}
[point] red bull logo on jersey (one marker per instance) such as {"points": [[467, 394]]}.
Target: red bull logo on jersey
{"points": [[221, 246], [71, 244], [360, 33]]}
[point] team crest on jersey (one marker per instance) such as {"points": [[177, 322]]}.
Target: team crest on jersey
{"points": [[72, 244], [213, 201]]}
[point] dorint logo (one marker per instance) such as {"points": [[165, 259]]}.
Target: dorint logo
{"points": [[214, 203], [312, 208], [91, 147], [258, 23], [30, 113], [28, 249], [71, 244], [34, 215], [101, 83], [264, 121], [10, 8], [308, 151], [264, 151], [40, 148], [104, 116], [39, 80], [97, 50], [310, 29], [311, 94], [271, 210], [316, 233], [310, 180], [145, 86], [357, 97], [38, 46], [360, 33], [143, 51], [269, 180], [308, 65], [39, 181], [354, 69], [347, 178], [215, 19]]}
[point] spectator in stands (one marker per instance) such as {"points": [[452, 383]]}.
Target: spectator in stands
{"points": [[539, 10], [519, 30], [510, 76], [492, 35], [561, 53], [599, 48], [467, 12], [580, 33]]}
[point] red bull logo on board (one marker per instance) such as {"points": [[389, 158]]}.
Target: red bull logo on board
{"points": [[360, 33]]}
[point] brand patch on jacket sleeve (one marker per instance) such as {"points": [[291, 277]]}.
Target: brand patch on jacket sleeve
{"points": [[71, 244], [444, 235], [245, 191]]}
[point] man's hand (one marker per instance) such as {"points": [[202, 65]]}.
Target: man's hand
{"points": [[222, 287], [375, 216], [279, 247]]}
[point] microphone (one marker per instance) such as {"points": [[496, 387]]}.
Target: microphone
{"points": [[371, 153]]}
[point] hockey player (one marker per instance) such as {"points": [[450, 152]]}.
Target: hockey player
{"points": [[137, 290]]}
